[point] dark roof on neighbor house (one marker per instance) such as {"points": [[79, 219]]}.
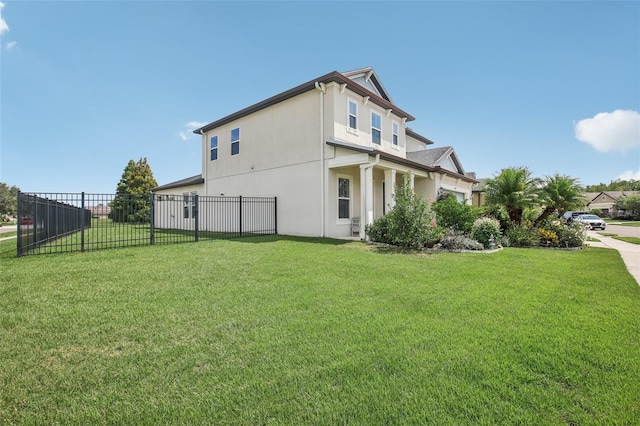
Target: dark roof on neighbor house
{"points": [[479, 186], [433, 157], [399, 160], [193, 180], [333, 76]]}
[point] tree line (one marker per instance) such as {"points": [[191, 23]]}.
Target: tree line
{"points": [[615, 185]]}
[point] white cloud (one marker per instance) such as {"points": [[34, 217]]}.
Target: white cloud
{"points": [[629, 175], [11, 44], [190, 127], [610, 131], [3, 24]]}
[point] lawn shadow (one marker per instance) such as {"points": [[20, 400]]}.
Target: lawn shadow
{"points": [[256, 239]]}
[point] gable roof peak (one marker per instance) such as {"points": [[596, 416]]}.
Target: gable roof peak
{"points": [[367, 78]]}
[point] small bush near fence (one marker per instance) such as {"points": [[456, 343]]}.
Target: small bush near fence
{"points": [[56, 223]]}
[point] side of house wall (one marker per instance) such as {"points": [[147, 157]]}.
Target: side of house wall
{"points": [[169, 209], [279, 156]]}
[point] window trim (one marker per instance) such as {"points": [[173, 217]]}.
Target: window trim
{"points": [[375, 128], [211, 148], [350, 129], [344, 220], [395, 134], [237, 141]]}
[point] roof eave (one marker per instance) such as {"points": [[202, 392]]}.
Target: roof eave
{"points": [[404, 161], [333, 76]]}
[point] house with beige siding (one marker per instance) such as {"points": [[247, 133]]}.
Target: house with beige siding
{"points": [[606, 202], [332, 150]]}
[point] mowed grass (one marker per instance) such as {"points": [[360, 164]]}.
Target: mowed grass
{"points": [[278, 330]]}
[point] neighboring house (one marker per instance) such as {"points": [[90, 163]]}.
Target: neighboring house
{"points": [[331, 150], [606, 200], [100, 211], [478, 191]]}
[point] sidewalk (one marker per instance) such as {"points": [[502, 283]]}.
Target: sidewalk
{"points": [[630, 253]]}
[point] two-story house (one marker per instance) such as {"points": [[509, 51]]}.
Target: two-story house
{"points": [[331, 149]]}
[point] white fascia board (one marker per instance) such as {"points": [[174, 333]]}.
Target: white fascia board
{"points": [[348, 160]]}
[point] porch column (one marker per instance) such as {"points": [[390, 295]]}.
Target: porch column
{"points": [[412, 181], [390, 188], [366, 197]]}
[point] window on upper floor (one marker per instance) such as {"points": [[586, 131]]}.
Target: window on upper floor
{"points": [[214, 148], [376, 128], [394, 134], [353, 115], [235, 141]]}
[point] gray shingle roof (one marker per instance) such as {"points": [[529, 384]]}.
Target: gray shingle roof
{"points": [[193, 180]]}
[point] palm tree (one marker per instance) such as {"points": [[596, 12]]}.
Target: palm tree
{"points": [[560, 193], [515, 189]]}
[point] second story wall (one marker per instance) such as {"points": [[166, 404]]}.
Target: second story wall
{"points": [[360, 121], [415, 145], [284, 134]]}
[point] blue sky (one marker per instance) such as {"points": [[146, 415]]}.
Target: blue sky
{"points": [[86, 86]]}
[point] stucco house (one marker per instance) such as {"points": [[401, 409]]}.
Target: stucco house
{"points": [[332, 150], [605, 201]]}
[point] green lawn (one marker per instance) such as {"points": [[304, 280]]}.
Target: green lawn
{"points": [[632, 240], [292, 331], [622, 222]]}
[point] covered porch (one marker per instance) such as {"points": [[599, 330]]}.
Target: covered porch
{"points": [[362, 187]]}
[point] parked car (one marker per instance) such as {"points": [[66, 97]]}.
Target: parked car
{"points": [[571, 215], [591, 221]]}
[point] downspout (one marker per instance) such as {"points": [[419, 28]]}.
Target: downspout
{"points": [[205, 161], [364, 221], [323, 90]]}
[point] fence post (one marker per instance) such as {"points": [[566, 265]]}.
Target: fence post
{"points": [[152, 221], [196, 201], [275, 214], [241, 216], [18, 230], [82, 223]]}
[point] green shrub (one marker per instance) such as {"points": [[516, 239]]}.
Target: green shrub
{"points": [[522, 236], [379, 230], [571, 234], [450, 213], [458, 241], [408, 224], [497, 212], [483, 229], [548, 238]]}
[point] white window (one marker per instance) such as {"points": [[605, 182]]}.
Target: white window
{"points": [[235, 141], [194, 205], [352, 115], [376, 128], [344, 197], [394, 134], [214, 148], [189, 205], [185, 205]]}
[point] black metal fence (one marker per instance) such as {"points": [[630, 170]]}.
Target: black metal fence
{"points": [[58, 223]]}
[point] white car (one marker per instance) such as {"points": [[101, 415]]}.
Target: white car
{"points": [[591, 221]]}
